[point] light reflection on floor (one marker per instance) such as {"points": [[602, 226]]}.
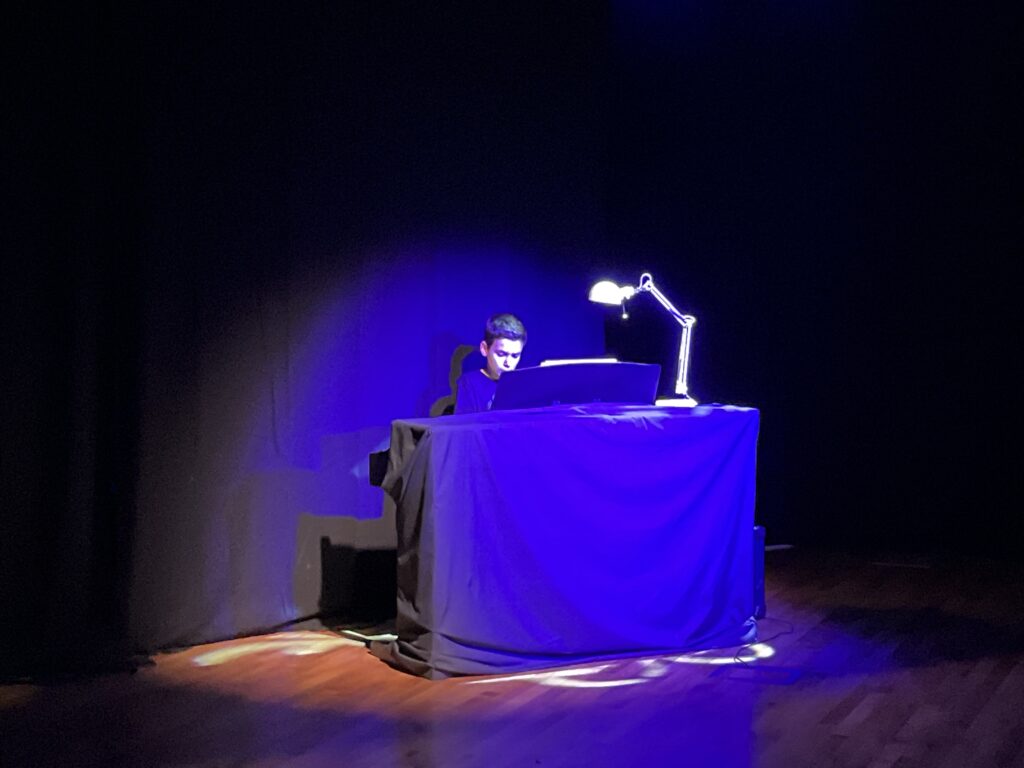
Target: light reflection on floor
{"points": [[287, 643], [614, 674]]}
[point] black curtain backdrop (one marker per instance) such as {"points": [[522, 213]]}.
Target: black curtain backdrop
{"points": [[831, 189], [237, 243]]}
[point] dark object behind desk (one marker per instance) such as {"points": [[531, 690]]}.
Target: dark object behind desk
{"points": [[378, 467], [358, 584], [578, 383]]}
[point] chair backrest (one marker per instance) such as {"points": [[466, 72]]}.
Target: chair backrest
{"points": [[445, 406]]}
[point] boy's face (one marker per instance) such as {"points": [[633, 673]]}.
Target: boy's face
{"points": [[502, 355]]}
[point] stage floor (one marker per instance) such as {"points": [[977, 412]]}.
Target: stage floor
{"points": [[863, 661]]}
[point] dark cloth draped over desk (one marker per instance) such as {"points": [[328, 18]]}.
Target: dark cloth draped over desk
{"points": [[539, 538]]}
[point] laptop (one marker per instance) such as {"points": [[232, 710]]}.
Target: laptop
{"points": [[576, 384]]}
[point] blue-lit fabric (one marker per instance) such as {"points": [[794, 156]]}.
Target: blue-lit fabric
{"points": [[539, 538]]}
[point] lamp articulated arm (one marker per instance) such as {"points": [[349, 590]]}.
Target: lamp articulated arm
{"points": [[686, 321]]}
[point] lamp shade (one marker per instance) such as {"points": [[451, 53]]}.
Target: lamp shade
{"points": [[607, 292]]}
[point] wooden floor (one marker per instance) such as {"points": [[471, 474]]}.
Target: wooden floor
{"points": [[863, 662]]}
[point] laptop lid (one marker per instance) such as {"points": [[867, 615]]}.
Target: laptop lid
{"points": [[589, 382]]}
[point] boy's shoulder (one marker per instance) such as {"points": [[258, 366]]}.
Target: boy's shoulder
{"points": [[474, 392]]}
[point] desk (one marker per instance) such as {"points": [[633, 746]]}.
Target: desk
{"points": [[539, 538]]}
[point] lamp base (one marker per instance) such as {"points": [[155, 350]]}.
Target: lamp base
{"points": [[676, 402]]}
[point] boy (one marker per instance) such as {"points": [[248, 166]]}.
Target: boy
{"points": [[504, 339]]}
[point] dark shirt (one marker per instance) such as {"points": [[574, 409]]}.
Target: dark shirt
{"points": [[474, 392]]}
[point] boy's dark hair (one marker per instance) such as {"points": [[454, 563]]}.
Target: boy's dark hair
{"points": [[504, 326]]}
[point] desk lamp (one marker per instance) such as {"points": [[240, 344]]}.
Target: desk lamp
{"points": [[607, 292]]}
